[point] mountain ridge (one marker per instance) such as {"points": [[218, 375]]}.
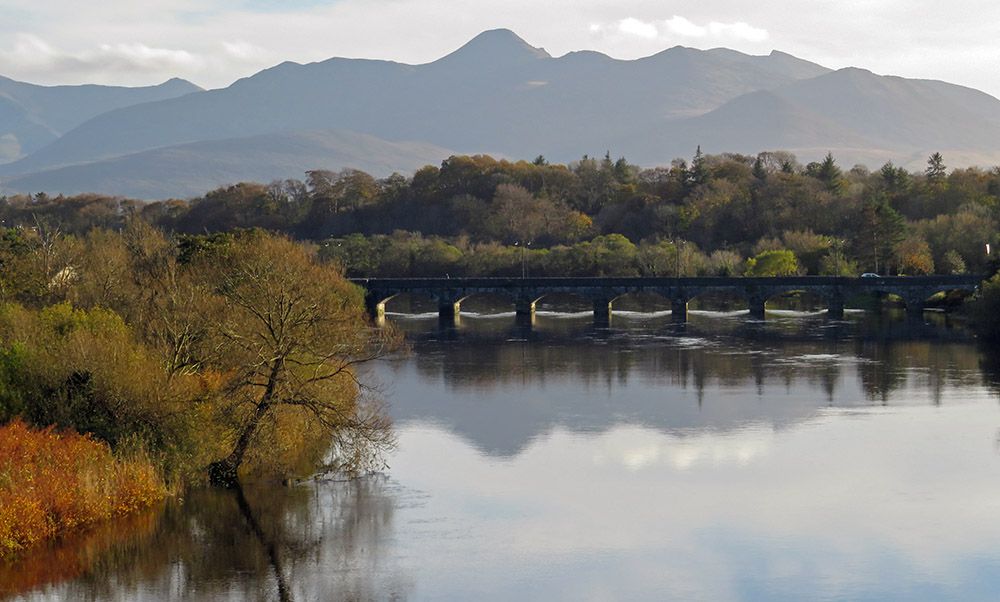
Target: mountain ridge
{"points": [[497, 93], [34, 115]]}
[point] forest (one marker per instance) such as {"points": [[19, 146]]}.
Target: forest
{"points": [[726, 214]]}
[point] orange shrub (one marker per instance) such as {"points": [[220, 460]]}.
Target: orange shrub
{"points": [[51, 482]]}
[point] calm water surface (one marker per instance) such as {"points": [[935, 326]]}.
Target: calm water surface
{"points": [[722, 460]]}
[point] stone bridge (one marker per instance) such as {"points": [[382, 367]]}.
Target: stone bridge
{"points": [[524, 293]]}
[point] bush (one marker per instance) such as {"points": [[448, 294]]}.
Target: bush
{"points": [[53, 482], [84, 370]]}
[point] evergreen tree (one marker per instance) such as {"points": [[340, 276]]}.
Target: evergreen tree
{"points": [[698, 174], [828, 173], [881, 228], [936, 170]]}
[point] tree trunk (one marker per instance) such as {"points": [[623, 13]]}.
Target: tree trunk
{"points": [[225, 473]]}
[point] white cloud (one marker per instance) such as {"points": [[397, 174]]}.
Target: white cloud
{"points": [[637, 28], [738, 30], [677, 26], [139, 56], [30, 52], [243, 50], [682, 27]]}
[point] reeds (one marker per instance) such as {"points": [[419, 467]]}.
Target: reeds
{"points": [[52, 482]]}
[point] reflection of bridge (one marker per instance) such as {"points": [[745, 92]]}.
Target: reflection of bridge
{"points": [[524, 293]]}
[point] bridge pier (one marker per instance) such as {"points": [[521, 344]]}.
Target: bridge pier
{"points": [[375, 308], [448, 309], [835, 307], [524, 321], [914, 307], [757, 306], [679, 310], [524, 307], [602, 312]]}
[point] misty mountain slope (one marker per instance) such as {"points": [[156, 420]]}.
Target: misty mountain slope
{"points": [[496, 93], [192, 169], [858, 116], [21, 131], [32, 116], [757, 121], [902, 112]]}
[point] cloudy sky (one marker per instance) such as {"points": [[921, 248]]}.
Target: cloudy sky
{"points": [[214, 42]]}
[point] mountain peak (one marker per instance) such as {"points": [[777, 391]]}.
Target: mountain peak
{"points": [[497, 44], [179, 84]]}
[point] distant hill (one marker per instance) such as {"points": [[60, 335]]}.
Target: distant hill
{"points": [[499, 94], [191, 169], [32, 116]]}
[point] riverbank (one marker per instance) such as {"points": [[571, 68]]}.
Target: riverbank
{"points": [[53, 483]]}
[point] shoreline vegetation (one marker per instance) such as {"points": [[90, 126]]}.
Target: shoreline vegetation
{"points": [[133, 364], [54, 482], [217, 339]]}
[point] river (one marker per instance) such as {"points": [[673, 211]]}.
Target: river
{"points": [[718, 460]]}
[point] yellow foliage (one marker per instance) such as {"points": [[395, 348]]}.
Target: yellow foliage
{"points": [[54, 482]]}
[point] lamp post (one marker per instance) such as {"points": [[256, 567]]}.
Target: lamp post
{"points": [[524, 262], [838, 250]]}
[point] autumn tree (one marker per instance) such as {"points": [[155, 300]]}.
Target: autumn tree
{"points": [[913, 256], [773, 263], [292, 334]]}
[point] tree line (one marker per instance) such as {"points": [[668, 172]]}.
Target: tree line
{"points": [[727, 214]]}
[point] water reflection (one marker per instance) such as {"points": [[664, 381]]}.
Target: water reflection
{"points": [[322, 540], [500, 387], [717, 460]]}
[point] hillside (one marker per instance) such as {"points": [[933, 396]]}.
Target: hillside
{"points": [[32, 116], [191, 169]]}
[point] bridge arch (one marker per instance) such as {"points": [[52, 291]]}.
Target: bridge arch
{"points": [[642, 300], [563, 299], [411, 301], [486, 300], [808, 297], [717, 298]]}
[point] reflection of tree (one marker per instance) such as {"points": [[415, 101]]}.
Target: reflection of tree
{"points": [[321, 541], [500, 392], [78, 554], [752, 355], [266, 542], [883, 373], [883, 355], [989, 365]]}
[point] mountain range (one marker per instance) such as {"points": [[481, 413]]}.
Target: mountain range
{"points": [[497, 94], [32, 116]]}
